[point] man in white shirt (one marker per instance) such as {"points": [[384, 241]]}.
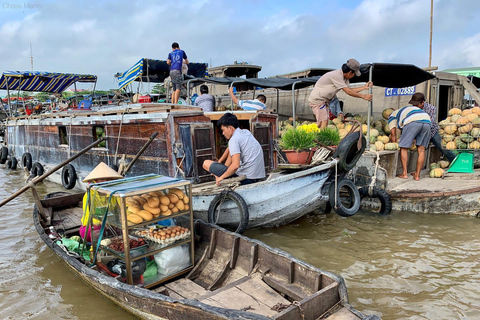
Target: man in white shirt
{"points": [[244, 155]]}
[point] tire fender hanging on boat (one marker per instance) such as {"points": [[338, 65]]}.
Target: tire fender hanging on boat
{"points": [[334, 193], [37, 169], [27, 161], [380, 194], [69, 176], [239, 201], [347, 151], [3, 155], [12, 163]]}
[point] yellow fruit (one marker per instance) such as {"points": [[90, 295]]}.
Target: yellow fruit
{"points": [[450, 128], [463, 120], [454, 111], [391, 146], [134, 218], [466, 112], [476, 110], [443, 164], [379, 145], [383, 139], [451, 145], [147, 216]]}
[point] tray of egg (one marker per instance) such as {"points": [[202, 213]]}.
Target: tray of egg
{"points": [[165, 236]]}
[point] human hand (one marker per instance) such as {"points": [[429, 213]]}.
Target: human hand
{"points": [[368, 97], [369, 84]]}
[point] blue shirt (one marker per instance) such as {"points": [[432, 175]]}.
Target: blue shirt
{"points": [[176, 57], [254, 104]]}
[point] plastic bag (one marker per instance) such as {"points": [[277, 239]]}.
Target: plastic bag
{"points": [[172, 260]]}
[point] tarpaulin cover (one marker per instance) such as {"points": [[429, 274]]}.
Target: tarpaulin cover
{"points": [[277, 83], [41, 81], [393, 75], [475, 81], [151, 70]]}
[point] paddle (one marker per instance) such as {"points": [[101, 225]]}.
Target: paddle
{"points": [[38, 179]]}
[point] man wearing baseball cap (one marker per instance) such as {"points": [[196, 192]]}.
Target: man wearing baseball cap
{"points": [[418, 100], [329, 84]]}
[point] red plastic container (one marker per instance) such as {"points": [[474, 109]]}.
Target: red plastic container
{"points": [[144, 99]]}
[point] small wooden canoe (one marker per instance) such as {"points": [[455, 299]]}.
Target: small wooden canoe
{"points": [[234, 277]]}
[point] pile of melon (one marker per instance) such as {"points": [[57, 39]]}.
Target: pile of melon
{"points": [[461, 129], [379, 130], [151, 205], [437, 169]]}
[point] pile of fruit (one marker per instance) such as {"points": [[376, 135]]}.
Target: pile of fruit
{"points": [[165, 235], [437, 169], [117, 243], [461, 129], [154, 204], [379, 131]]}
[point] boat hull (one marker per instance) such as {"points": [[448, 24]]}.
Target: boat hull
{"points": [[273, 202]]}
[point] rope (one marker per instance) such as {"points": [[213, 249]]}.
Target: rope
{"points": [[119, 132], [320, 156], [299, 305], [70, 138], [178, 169], [336, 182]]}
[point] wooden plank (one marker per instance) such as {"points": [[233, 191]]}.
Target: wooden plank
{"points": [[259, 290], [343, 314], [320, 302], [66, 201], [290, 290], [213, 244], [253, 258], [238, 300], [221, 277], [225, 287], [234, 252], [186, 288]]}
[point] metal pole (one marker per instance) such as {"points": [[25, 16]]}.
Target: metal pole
{"points": [[430, 53], [278, 97], [76, 99], [293, 101], [93, 93], [188, 91], [370, 108], [8, 97], [18, 98]]}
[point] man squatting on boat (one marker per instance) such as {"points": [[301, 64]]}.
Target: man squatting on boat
{"points": [[329, 84], [418, 100], [244, 155], [415, 125]]}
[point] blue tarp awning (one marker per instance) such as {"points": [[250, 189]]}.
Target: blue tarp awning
{"points": [[41, 81], [151, 70]]}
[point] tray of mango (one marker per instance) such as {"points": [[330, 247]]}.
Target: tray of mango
{"points": [[154, 204]]}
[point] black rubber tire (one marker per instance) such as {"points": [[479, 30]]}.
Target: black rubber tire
{"points": [[37, 169], [3, 155], [12, 163], [348, 153], [69, 176], [27, 161], [353, 193], [239, 201], [380, 194]]}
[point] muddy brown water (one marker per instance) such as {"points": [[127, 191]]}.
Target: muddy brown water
{"points": [[401, 266]]}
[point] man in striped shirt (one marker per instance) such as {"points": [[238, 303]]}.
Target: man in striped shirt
{"points": [[255, 104], [418, 100], [415, 125]]}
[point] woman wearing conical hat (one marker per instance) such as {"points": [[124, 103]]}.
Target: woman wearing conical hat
{"points": [[101, 173]]}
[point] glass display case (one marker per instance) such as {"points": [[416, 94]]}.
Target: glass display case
{"points": [[152, 215]]}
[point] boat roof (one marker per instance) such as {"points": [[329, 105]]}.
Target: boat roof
{"points": [[151, 70], [393, 75], [276, 83], [41, 81]]}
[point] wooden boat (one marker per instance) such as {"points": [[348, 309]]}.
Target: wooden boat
{"points": [[266, 283]]}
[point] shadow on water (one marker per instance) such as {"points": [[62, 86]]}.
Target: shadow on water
{"points": [[400, 266]]}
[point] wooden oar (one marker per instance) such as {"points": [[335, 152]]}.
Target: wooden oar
{"points": [[38, 179], [153, 136]]}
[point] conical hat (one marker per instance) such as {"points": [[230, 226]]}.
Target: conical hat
{"points": [[102, 171]]}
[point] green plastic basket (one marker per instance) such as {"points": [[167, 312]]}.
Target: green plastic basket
{"points": [[463, 163]]}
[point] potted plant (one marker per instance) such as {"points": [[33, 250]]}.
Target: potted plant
{"points": [[296, 142], [327, 137]]}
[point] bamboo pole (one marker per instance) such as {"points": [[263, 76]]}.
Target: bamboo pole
{"points": [[36, 180], [430, 53]]}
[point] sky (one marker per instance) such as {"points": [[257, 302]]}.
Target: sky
{"points": [[106, 37]]}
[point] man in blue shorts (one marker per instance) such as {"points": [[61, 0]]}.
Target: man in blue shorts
{"points": [[175, 61], [244, 155], [415, 125], [255, 104]]}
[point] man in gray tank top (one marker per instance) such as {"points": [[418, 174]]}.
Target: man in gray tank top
{"points": [[244, 155]]}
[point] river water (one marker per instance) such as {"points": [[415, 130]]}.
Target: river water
{"points": [[401, 266]]}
